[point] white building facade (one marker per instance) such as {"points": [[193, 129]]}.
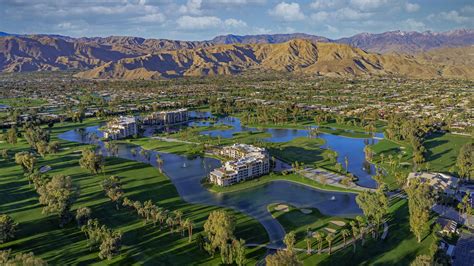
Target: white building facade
{"points": [[249, 162], [167, 117], [121, 127]]}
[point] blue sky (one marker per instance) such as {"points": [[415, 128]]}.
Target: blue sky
{"points": [[204, 19]]}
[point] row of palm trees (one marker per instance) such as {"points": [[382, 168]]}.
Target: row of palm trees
{"points": [[166, 218], [321, 238]]}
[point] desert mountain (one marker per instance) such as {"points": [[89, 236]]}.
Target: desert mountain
{"points": [[409, 42], [387, 42], [300, 56], [266, 38], [54, 52]]}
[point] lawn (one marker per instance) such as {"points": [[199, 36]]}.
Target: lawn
{"points": [[297, 221], [399, 248], [180, 148], [443, 150], [304, 150], [142, 244], [22, 102], [329, 128], [260, 181], [441, 155]]}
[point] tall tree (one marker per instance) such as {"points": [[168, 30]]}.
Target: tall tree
{"points": [[26, 160], [20, 259], [374, 205], [111, 244], [58, 195], [83, 215], [345, 233], [239, 251], [7, 228], [91, 161], [113, 189], [284, 256], [419, 205], [12, 135], [219, 229], [329, 239], [465, 161], [319, 238]]}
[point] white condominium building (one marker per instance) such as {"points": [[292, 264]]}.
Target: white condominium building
{"points": [[167, 117], [121, 127], [249, 162]]}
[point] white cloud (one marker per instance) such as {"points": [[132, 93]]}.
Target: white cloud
{"points": [[192, 7], [348, 13], [235, 2], [367, 4], [413, 25], [198, 23], [454, 16], [235, 23], [409, 7], [324, 4], [469, 9], [287, 11], [320, 16], [156, 17], [208, 22]]}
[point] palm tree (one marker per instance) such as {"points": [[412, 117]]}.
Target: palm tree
{"points": [[319, 237], [170, 223], [355, 233], [159, 162], [178, 215], [346, 161], [329, 239], [190, 226], [345, 233], [308, 241]]}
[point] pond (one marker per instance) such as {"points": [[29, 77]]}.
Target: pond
{"points": [[352, 148], [186, 175]]}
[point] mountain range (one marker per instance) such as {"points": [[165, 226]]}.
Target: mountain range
{"points": [[412, 54]]}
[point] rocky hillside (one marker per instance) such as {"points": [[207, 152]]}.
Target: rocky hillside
{"points": [[266, 38], [46, 52], [409, 42], [300, 56], [119, 56]]}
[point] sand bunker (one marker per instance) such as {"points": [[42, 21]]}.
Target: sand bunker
{"points": [[306, 211], [282, 207], [330, 230], [338, 223]]}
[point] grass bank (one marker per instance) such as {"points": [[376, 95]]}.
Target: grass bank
{"points": [[142, 244], [295, 178]]}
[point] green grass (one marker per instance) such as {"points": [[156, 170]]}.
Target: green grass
{"points": [[22, 102], [441, 153], [299, 222], [260, 181], [399, 248], [329, 128], [180, 148], [443, 150], [142, 244], [344, 132], [303, 150]]}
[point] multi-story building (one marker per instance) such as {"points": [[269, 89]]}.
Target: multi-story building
{"points": [[121, 127], [167, 117], [248, 162]]}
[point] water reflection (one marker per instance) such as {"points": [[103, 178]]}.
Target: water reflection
{"points": [[253, 202]]}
